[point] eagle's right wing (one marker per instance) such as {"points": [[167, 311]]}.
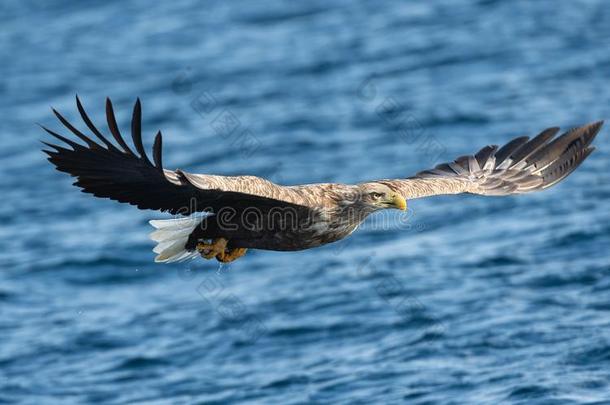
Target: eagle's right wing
{"points": [[116, 172], [521, 166]]}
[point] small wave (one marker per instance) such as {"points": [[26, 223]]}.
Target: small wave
{"points": [[268, 18], [288, 381], [529, 392], [336, 328], [6, 295], [560, 280], [577, 237], [141, 362], [97, 341], [598, 353], [500, 260]]}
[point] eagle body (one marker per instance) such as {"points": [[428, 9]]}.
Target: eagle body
{"points": [[223, 216], [286, 228]]}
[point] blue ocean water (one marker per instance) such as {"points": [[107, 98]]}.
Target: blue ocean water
{"points": [[471, 300]]}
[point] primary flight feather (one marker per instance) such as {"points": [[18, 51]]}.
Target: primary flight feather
{"points": [[248, 212]]}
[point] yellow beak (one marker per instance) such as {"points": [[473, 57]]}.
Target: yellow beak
{"points": [[399, 202]]}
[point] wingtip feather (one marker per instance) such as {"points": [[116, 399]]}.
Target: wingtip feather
{"points": [[114, 128], [136, 130], [157, 151]]}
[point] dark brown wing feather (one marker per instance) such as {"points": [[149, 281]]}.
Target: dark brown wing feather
{"points": [[117, 173]]}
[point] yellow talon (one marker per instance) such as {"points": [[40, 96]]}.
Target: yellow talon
{"points": [[231, 255], [215, 249], [218, 249]]}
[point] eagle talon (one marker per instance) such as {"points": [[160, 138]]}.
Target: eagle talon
{"points": [[203, 248], [231, 255], [215, 249], [218, 249]]}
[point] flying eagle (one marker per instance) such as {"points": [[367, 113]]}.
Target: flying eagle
{"points": [[248, 212]]}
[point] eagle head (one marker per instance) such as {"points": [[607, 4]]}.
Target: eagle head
{"points": [[376, 196]]}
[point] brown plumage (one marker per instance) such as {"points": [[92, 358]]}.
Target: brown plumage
{"points": [[251, 212]]}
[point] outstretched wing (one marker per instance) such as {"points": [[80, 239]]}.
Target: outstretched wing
{"points": [[116, 172], [521, 166]]}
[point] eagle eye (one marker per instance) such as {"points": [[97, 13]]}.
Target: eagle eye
{"points": [[376, 196]]}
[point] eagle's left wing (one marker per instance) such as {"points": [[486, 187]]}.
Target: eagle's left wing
{"points": [[521, 166], [113, 170]]}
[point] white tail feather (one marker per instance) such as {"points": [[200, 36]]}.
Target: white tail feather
{"points": [[171, 237]]}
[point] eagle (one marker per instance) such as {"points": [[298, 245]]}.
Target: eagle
{"points": [[222, 217]]}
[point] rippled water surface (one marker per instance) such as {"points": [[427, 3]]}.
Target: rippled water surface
{"points": [[473, 300]]}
